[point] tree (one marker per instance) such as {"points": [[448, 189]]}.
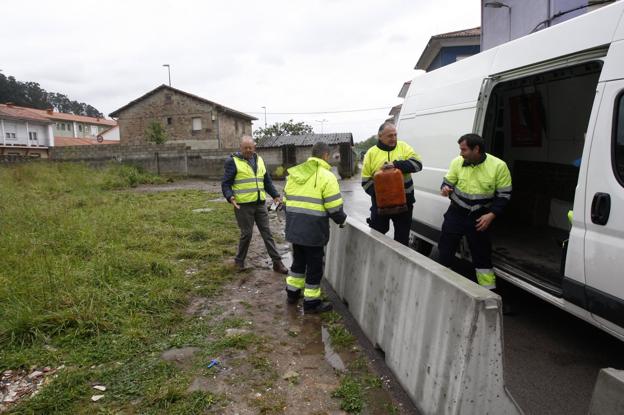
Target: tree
{"points": [[30, 94], [156, 133], [363, 146], [286, 128]]}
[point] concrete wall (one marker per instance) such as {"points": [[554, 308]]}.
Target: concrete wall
{"points": [[440, 332], [171, 159], [175, 112], [608, 397], [499, 25]]}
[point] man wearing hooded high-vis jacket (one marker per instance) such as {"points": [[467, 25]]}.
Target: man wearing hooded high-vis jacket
{"points": [[479, 186], [311, 196]]}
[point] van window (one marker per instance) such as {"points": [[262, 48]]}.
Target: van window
{"points": [[618, 138]]}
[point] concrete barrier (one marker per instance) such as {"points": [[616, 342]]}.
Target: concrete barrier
{"points": [[608, 397], [441, 333]]}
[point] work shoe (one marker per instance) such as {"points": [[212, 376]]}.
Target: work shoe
{"points": [[292, 297], [239, 266], [317, 307], [278, 266]]}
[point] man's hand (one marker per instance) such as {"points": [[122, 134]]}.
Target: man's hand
{"points": [[387, 165], [233, 202], [484, 222], [277, 200], [446, 191]]}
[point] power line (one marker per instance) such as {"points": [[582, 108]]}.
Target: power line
{"points": [[321, 112]]}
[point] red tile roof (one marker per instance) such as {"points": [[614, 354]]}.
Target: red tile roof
{"points": [[475, 31], [53, 115], [21, 113], [71, 141], [15, 111]]}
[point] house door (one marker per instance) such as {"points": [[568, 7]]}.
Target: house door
{"points": [[289, 155]]}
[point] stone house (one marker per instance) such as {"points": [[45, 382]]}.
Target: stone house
{"points": [[187, 118]]}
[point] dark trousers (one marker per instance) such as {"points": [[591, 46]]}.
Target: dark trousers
{"points": [[402, 223], [309, 261], [459, 222], [246, 216]]}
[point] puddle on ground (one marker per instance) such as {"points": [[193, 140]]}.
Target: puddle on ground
{"points": [[331, 356], [315, 338]]}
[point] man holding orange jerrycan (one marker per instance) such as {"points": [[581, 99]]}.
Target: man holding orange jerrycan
{"points": [[387, 177]]}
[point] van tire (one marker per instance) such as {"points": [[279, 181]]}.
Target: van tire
{"points": [[420, 245]]}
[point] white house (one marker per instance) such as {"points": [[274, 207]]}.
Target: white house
{"points": [[24, 132]]}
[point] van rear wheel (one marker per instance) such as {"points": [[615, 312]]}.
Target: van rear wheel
{"points": [[420, 245]]}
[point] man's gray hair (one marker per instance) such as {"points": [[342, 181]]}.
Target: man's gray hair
{"points": [[319, 148], [247, 138], [384, 125]]}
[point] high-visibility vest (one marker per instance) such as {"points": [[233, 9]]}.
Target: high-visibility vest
{"points": [[248, 186], [476, 185], [375, 158]]}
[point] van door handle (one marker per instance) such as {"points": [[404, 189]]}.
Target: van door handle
{"points": [[600, 209]]}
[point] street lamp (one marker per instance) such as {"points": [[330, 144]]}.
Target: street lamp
{"points": [[323, 121], [168, 71], [498, 5], [265, 124]]}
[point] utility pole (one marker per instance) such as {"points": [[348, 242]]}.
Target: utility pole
{"points": [[323, 121], [265, 124]]}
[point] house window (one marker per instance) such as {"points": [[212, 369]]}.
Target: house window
{"points": [[197, 124], [169, 121], [63, 126], [236, 126], [32, 135], [168, 99], [10, 136], [80, 127]]}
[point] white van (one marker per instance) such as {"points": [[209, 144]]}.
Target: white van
{"points": [[551, 105]]}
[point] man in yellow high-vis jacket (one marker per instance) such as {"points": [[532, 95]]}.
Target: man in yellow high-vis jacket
{"points": [[387, 153], [244, 184], [479, 186], [311, 196]]}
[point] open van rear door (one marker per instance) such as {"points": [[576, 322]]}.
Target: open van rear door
{"points": [[604, 209], [482, 102]]}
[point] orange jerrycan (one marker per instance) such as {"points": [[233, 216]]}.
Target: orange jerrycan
{"points": [[389, 192]]}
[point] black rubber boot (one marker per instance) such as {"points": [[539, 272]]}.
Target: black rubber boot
{"points": [[293, 296], [317, 307]]}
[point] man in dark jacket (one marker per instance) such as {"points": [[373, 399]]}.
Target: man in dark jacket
{"points": [[244, 184], [391, 153], [312, 196]]}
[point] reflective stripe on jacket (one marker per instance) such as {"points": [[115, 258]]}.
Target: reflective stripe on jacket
{"points": [[406, 160], [248, 186], [311, 196], [484, 185]]}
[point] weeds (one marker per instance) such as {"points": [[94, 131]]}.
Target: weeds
{"points": [[92, 278]]}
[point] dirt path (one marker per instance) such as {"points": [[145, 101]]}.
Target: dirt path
{"points": [[292, 368]]}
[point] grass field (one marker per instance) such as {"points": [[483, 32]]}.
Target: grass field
{"points": [[92, 276]]}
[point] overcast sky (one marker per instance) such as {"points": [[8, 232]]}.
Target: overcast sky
{"points": [[290, 56]]}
